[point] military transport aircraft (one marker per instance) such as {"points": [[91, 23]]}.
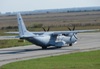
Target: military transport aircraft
{"points": [[48, 38]]}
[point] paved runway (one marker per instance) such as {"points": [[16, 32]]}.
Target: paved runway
{"points": [[86, 41], [7, 37]]}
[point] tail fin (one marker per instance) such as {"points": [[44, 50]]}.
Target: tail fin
{"points": [[22, 29]]}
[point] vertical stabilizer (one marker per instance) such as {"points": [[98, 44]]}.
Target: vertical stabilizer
{"points": [[22, 28]]}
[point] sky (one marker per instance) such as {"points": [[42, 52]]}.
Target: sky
{"points": [[30, 5]]}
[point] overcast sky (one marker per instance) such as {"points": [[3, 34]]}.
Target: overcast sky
{"points": [[29, 5]]}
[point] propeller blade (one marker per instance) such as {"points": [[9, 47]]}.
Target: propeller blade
{"points": [[48, 28], [43, 29], [72, 36], [75, 36], [69, 28], [73, 27]]}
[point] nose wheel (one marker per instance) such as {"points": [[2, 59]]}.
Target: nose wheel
{"points": [[70, 44]]}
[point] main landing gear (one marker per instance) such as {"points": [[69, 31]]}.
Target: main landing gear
{"points": [[44, 47], [58, 47], [70, 44]]}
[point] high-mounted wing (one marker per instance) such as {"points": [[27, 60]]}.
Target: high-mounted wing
{"points": [[75, 31], [58, 32]]}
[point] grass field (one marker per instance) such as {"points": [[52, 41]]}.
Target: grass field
{"points": [[12, 43], [54, 19], [83, 60]]}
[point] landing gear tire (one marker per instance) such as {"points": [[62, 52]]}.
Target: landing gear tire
{"points": [[59, 47], [70, 44], [44, 47]]}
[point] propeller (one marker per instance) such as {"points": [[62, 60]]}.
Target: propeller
{"points": [[45, 29], [72, 34], [72, 28]]}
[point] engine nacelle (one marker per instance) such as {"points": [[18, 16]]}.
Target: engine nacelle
{"points": [[71, 34]]}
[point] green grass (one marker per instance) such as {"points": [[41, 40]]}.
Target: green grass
{"points": [[12, 43], [83, 60]]}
